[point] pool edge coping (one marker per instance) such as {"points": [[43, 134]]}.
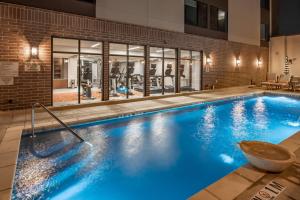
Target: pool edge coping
{"points": [[13, 136]]}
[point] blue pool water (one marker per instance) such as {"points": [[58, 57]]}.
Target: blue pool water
{"points": [[169, 154]]}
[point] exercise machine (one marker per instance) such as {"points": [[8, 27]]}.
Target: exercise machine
{"points": [[168, 74]]}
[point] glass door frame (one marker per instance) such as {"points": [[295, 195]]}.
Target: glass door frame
{"points": [[127, 61], [79, 53], [191, 61], [163, 66]]}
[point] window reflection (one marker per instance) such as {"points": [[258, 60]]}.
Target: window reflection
{"points": [[136, 67], [91, 73], [77, 73], [169, 76], [189, 71], [117, 76], [155, 76], [126, 71], [65, 45], [65, 78], [162, 70]]}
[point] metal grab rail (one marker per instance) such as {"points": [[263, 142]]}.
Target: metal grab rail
{"points": [[52, 115]]}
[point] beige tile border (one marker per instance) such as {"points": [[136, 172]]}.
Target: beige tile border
{"points": [[241, 179]]}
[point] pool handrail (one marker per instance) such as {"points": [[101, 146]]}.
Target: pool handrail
{"points": [[52, 115]]}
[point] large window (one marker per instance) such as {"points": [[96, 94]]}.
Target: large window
{"points": [[196, 13], [189, 71], [264, 32], [162, 70], [77, 71], [126, 71], [265, 4], [190, 12], [202, 14], [218, 19]]}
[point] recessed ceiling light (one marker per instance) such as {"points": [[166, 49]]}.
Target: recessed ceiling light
{"points": [[134, 48], [95, 45]]}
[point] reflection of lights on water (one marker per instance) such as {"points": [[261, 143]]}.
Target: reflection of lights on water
{"points": [[159, 132], [41, 171], [260, 114], [133, 139], [162, 139], [91, 145], [285, 100], [206, 125], [294, 124], [259, 106], [239, 118], [226, 158], [71, 191], [209, 117]]}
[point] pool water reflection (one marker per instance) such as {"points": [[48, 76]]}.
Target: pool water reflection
{"points": [[163, 155]]}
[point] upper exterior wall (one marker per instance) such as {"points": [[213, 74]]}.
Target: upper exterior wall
{"points": [[69, 6], [244, 21], [166, 14], [22, 27]]}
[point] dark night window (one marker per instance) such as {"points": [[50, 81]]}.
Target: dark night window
{"points": [[202, 14], [222, 24], [264, 32], [213, 18], [88, 1], [218, 19], [265, 4], [190, 12]]}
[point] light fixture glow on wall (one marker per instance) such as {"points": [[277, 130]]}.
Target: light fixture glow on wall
{"points": [[208, 61], [259, 63], [238, 62], [34, 51]]}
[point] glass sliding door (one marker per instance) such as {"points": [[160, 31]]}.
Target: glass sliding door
{"points": [[126, 67], [117, 77], [77, 72], [90, 78], [136, 67], [169, 71], [162, 71], [65, 71], [65, 78], [189, 72], [196, 71], [90, 71], [156, 71]]}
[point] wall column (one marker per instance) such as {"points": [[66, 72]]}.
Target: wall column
{"points": [[105, 75], [146, 72]]}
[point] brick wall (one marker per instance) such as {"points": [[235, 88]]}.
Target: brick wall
{"points": [[22, 27]]}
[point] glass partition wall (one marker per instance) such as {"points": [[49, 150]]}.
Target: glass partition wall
{"points": [[77, 71], [189, 71], [162, 71], [126, 71]]}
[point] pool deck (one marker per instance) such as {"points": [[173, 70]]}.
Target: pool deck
{"points": [[240, 184]]}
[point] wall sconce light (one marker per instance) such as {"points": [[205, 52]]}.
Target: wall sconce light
{"points": [[34, 51], [237, 62], [208, 61], [259, 63]]}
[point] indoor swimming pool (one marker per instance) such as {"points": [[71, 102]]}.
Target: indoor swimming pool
{"points": [[168, 154]]}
